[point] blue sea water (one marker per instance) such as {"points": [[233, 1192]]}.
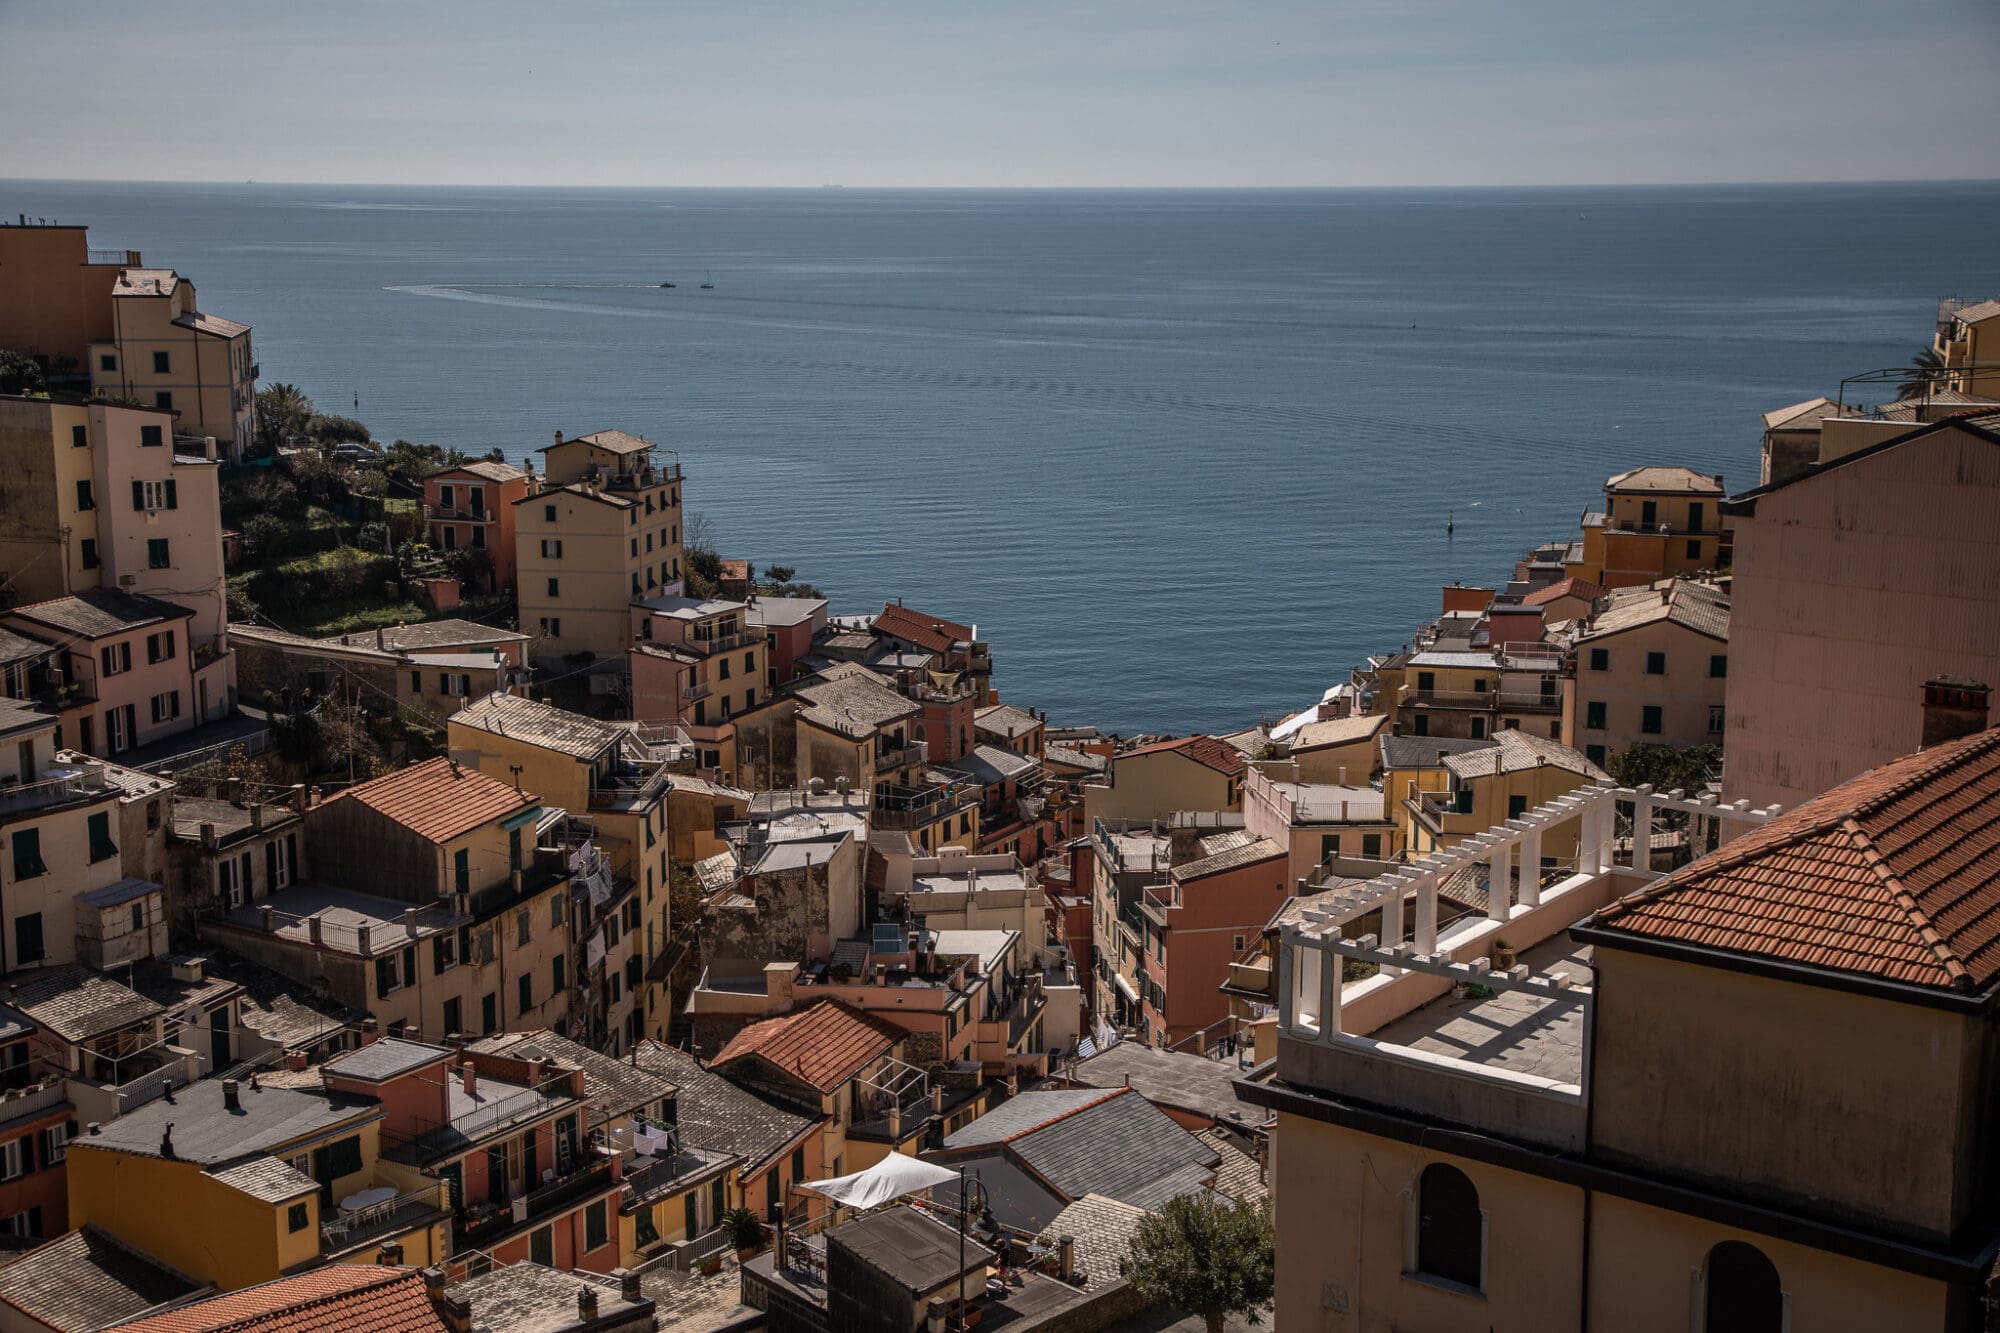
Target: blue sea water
{"points": [[1183, 456]]}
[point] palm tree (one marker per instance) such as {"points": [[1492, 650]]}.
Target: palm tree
{"points": [[282, 411], [1926, 375]]}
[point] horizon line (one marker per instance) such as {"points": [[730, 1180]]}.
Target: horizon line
{"points": [[1075, 189]]}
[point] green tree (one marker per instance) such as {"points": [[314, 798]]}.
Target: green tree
{"points": [[780, 573], [266, 538], [1666, 767], [282, 412], [1926, 375], [19, 373], [1210, 1259], [328, 430]]}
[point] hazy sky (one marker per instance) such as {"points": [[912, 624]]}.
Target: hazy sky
{"points": [[1001, 92]]}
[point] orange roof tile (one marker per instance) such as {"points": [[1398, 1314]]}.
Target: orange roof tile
{"points": [[824, 1045], [1569, 587], [1895, 874], [340, 1298], [925, 631], [439, 799], [1216, 754]]}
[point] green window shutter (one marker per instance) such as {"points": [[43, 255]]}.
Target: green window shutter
{"points": [[138, 495], [173, 495], [385, 976]]}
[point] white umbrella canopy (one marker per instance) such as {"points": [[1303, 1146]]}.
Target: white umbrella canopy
{"points": [[891, 1178]]}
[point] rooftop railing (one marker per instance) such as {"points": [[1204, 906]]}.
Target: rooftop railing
{"points": [[901, 756], [347, 1230], [66, 786]]}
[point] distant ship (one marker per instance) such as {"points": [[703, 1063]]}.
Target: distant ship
{"points": [[666, 284], [706, 283]]}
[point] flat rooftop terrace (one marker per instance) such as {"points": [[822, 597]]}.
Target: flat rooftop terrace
{"points": [[1512, 1030]]}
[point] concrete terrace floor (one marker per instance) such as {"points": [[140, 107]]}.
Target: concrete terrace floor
{"points": [[1509, 1030], [691, 1303]]}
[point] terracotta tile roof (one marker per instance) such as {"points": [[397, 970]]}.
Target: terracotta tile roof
{"points": [[823, 1046], [1895, 874], [1569, 587], [438, 799], [1701, 607], [930, 632], [1217, 754], [347, 1298], [1666, 481]]}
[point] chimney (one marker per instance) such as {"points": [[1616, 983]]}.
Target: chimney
{"points": [[586, 1302], [208, 837], [390, 1255], [628, 1284], [361, 934], [94, 1128], [232, 1095], [299, 797], [934, 1316], [895, 1121], [1954, 706], [937, 1099], [257, 816], [313, 928], [264, 917], [368, 1028], [295, 1060], [378, 638], [1066, 1258], [471, 1076], [558, 437]]}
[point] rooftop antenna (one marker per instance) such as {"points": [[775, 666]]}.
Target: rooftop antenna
{"points": [[515, 769]]}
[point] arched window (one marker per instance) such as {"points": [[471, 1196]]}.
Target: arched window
{"points": [[1451, 1234], [1743, 1295], [920, 731]]}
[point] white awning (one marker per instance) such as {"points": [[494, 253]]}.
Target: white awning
{"points": [[1124, 987], [891, 1178]]}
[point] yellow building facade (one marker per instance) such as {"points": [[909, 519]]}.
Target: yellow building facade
{"points": [[166, 352], [1657, 522], [604, 530]]}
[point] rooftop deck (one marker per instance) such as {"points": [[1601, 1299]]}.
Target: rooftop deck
{"points": [[1509, 1029]]}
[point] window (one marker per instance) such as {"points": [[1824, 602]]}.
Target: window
{"points": [[101, 846], [1656, 664], [1741, 1292], [156, 554], [596, 1234], [1516, 806], [479, 539], [554, 585], [12, 1159], [723, 668], [446, 498], [1595, 754], [444, 956], [1600, 659], [452, 1016], [164, 401], [1694, 519], [461, 870], [1694, 550], [644, 1233], [28, 938], [1371, 846], [151, 437], [542, 1247], [386, 982], [1463, 801], [1479, 728], [115, 658], [798, 1164], [548, 513], [527, 993], [160, 647], [162, 363], [84, 499], [1426, 681], [1593, 715], [1718, 666], [560, 972], [167, 707], [552, 626], [450, 538], [416, 682], [489, 1012], [55, 1142], [107, 362], [295, 1217], [1451, 1231], [28, 863], [1423, 725], [634, 972], [556, 912], [551, 549], [1649, 512], [523, 928], [750, 662], [1649, 719], [90, 560], [1715, 719]]}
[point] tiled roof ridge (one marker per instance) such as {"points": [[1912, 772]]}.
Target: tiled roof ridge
{"points": [[1927, 933], [1946, 755], [1079, 1109], [312, 1302]]}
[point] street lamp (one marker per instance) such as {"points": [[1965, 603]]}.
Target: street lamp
{"points": [[988, 1227]]}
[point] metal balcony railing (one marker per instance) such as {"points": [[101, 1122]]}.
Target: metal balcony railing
{"points": [[64, 786], [345, 1230], [901, 756]]}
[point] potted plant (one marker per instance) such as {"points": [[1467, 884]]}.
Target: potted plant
{"points": [[1503, 956], [745, 1231], [711, 1264]]}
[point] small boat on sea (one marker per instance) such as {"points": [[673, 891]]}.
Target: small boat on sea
{"points": [[708, 282], [666, 284]]}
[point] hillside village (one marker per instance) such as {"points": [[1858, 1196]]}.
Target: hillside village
{"points": [[473, 894]]}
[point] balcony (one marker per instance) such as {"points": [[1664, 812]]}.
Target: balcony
{"points": [[352, 1230], [483, 1223], [1412, 694], [710, 644], [1158, 905], [62, 785], [1528, 701], [901, 756], [634, 479], [455, 514], [629, 791]]}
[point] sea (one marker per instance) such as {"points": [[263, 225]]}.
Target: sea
{"points": [[1184, 457]]}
